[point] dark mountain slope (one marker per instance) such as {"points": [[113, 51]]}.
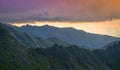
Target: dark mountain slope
{"points": [[66, 58], [110, 55], [31, 41], [12, 53], [15, 56]]}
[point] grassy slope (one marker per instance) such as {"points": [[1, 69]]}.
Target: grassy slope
{"points": [[110, 56], [15, 56]]}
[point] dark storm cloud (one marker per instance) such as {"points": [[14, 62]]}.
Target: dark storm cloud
{"points": [[59, 10]]}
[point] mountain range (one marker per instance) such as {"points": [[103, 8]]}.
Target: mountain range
{"points": [[69, 35], [21, 51], [32, 41]]}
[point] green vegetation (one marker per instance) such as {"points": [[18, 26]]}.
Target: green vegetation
{"points": [[16, 56]]}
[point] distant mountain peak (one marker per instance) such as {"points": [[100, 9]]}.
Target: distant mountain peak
{"points": [[70, 35], [111, 44], [27, 25], [46, 25]]}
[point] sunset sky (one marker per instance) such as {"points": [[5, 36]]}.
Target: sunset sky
{"points": [[95, 16], [111, 28]]}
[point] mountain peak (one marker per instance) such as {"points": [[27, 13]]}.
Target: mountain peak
{"points": [[27, 25], [46, 25]]}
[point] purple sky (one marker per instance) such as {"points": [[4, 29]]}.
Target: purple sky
{"points": [[59, 10]]}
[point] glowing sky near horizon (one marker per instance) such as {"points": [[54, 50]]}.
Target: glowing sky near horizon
{"points": [[111, 28], [95, 16]]}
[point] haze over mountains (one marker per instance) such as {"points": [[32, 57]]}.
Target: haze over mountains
{"points": [[70, 35], [19, 51], [79, 35], [31, 41]]}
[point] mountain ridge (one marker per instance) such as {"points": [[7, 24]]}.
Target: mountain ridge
{"points": [[31, 41], [70, 35], [15, 56]]}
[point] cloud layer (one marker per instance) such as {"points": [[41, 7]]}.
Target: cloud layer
{"points": [[59, 10]]}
